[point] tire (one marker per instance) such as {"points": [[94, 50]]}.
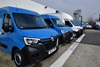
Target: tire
{"points": [[18, 58]]}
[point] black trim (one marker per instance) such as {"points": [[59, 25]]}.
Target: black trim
{"points": [[65, 37], [79, 33], [3, 45], [35, 53], [48, 43]]}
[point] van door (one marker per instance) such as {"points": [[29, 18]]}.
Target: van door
{"points": [[6, 34]]}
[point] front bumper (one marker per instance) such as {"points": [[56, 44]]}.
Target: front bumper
{"points": [[37, 52], [67, 37], [79, 33]]}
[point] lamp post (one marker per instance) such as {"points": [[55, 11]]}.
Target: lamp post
{"points": [[99, 17], [81, 20]]}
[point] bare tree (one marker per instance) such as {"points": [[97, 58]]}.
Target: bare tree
{"points": [[91, 21], [77, 13], [99, 17]]}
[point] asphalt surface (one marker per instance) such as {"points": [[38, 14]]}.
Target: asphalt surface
{"points": [[5, 60], [87, 54], [84, 56], [92, 37]]}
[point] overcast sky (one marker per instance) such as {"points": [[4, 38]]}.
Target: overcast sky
{"points": [[88, 7]]}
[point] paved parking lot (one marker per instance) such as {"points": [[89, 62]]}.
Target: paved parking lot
{"points": [[92, 37], [87, 54], [5, 60]]}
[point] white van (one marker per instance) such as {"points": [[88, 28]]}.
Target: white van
{"points": [[67, 20]]}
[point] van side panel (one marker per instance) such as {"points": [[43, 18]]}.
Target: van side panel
{"points": [[1, 19]]}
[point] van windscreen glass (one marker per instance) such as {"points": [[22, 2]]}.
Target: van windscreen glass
{"points": [[28, 21], [58, 22], [75, 23]]}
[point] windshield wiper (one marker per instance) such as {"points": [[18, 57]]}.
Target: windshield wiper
{"points": [[61, 25], [34, 27], [44, 27]]}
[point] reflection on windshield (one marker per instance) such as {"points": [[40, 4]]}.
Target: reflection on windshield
{"points": [[75, 23], [58, 22], [27, 21]]}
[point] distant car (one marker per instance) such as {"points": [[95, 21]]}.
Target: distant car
{"points": [[88, 26], [97, 27]]}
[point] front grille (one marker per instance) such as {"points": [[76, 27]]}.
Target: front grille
{"points": [[69, 35], [81, 31], [48, 43]]}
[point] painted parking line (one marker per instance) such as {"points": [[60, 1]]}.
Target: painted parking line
{"points": [[64, 57]]}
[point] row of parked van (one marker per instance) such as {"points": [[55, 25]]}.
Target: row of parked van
{"points": [[29, 37]]}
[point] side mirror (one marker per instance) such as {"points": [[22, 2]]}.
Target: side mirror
{"points": [[7, 28], [51, 26], [67, 26], [70, 25], [11, 28]]}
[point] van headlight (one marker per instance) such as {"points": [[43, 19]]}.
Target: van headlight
{"points": [[78, 28], [30, 41], [63, 31]]}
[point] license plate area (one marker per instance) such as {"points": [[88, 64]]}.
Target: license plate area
{"points": [[52, 50]]}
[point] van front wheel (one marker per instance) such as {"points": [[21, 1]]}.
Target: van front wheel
{"points": [[18, 58]]}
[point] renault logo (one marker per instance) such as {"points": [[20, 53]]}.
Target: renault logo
{"points": [[52, 38]]}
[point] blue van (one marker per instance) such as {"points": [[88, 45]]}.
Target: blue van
{"points": [[25, 36], [65, 33]]}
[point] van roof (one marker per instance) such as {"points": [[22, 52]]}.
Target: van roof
{"points": [[48, 16], [28, 4], [63, 15], [18, 10]]}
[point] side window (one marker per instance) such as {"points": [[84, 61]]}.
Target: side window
{"points": [[7, 20], [48, 21], [68, 23]]}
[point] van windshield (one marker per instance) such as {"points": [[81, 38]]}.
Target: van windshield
{"points": [[28, 21], [75, 23], [58, 22]]}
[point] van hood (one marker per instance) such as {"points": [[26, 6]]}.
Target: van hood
{"points": [[66, 28], [79, 27], [39, 33], [76, 28]]}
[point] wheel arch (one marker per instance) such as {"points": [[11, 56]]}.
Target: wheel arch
{"points": [[13, 49]]}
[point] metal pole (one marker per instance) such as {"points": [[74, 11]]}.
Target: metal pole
{"points": [[81, 20]]}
